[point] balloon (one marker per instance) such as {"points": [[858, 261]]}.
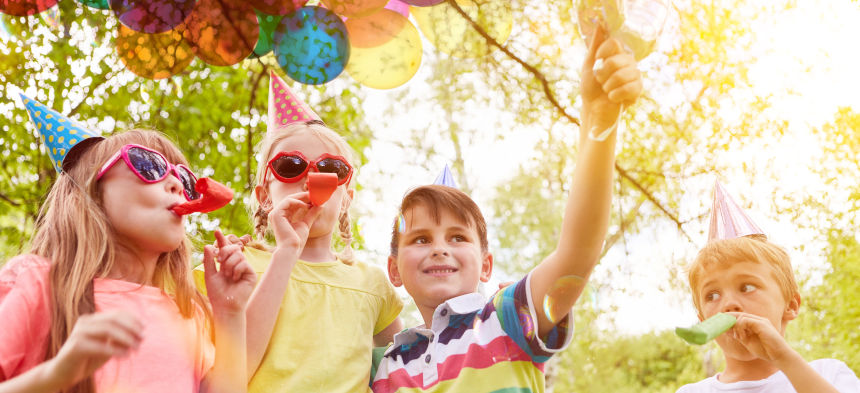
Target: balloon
{"points": [[454, 35], [277, 7], [152, 16], [268, 23], [354, 8], [25, 7], [385, 50], [311, 45], [398, 7], [153, 56], [222, 32], [99, 4]]}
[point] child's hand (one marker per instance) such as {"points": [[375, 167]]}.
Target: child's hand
{"points": [[94, 340], [230, 285], [240, 241], [610, 79], [291, 220], [760, 337]]}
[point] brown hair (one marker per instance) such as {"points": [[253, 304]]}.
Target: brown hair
{"points": [[438, 198], [73, 232], [328, 137], [758, 249]]}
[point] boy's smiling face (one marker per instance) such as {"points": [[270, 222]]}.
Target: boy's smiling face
{"points": [[437, 261], [746, 287]]}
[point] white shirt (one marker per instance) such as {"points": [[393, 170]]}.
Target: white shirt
{"points": [[833, 371]]}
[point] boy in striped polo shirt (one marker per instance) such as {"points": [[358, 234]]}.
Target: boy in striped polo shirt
{"points": [[439, 253]]}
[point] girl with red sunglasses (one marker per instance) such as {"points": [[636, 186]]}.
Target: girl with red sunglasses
{"points": [[106, 301], [315, 314]]}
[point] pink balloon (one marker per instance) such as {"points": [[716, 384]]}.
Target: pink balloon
{"points": [[398, 7]]}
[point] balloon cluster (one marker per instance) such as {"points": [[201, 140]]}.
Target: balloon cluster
{"points": [[373, 40]]}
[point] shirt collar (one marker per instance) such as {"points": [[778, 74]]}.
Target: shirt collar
{"points": [[460, 305]]}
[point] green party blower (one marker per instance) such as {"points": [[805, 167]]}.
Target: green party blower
{"points": [[708, 329]]}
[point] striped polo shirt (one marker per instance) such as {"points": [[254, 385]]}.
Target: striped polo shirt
{"points": [[474, 346]]}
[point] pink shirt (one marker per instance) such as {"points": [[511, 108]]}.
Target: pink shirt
{"points": [[174, 356]]}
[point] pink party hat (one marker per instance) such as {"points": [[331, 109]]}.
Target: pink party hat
{"points": [[728, 220], [285, 107]]}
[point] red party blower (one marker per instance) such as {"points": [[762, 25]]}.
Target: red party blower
{"points": [[213, 196], [320, 187]]}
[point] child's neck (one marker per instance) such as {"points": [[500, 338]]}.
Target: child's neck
{"points": [[318, 249], [134, 266], [753, 370]]}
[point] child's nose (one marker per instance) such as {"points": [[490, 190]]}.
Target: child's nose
{"points": [[730, 304], [440, 251], [173, 185]]}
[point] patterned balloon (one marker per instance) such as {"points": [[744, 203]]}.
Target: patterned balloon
{"points": [[311, 45], [222, 32], [153, 56], [152, 16], [25, 7], [277, 7]]}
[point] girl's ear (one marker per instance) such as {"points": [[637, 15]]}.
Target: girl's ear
{"points": [[262, 195]]}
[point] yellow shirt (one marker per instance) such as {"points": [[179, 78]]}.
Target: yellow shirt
{"points": [[323, 337]]}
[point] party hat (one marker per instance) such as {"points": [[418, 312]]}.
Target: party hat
{"points": [[728, 220], [445, 178], [285, 107], [64, 137]]}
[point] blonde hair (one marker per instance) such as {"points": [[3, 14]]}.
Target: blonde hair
{"points": [[73, 231], [266, 149], [724, 253]]}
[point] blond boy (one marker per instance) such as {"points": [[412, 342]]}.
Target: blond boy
{"points": [[751, 278]]}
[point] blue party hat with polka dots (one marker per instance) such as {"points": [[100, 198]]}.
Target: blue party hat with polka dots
{"points": [[64, 137]]}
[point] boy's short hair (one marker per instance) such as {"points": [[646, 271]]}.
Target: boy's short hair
{"points": [[438, 198], [743, 249]]}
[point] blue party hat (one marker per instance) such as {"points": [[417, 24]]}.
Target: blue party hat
{"points": [[64, 137], [445, 178]]}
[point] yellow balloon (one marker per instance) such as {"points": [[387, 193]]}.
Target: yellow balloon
{"points": [[452, 34], [385, 49]]}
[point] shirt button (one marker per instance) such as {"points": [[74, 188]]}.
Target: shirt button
{"points": [[427, 359], [444, 312]]}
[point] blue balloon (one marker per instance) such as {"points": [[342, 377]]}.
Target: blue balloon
{"points": [[311, 45]]}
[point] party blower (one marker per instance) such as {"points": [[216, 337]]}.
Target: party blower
{"points": [[213, 196]]}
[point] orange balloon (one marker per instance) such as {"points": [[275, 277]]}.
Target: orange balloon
{"points": [[222, 32], [153, 56], [354, 8]]}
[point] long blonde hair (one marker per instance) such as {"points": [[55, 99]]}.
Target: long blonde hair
{"points": [[328, 137], [74, 233]]}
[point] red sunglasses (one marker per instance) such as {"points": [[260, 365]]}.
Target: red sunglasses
{"points": [[151, 167], [290, 167]]}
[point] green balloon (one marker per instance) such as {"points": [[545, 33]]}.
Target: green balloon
{"points": [[100, 4], [267, 29]]}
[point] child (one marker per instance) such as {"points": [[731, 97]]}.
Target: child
{"points": [[439, 253], [321, 310], [741, 273], [105, 301]]}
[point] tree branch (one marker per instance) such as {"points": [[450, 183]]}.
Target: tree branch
{"points": [[653, 200], [10, 201], [530, 68]]}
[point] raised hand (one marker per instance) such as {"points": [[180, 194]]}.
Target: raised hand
{"points": [[760, 337], [95, 339], [229, 285], [291, 220]]}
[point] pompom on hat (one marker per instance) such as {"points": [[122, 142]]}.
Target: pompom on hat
{"points": [[64, 138], [285, 107], [728, 220]]}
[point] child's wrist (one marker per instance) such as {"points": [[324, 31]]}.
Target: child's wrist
{"points": [[788, 359]]}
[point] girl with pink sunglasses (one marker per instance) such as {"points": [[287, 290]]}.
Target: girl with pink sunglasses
{"points": [[105, 300]]}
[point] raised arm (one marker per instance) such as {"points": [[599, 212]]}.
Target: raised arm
{"points": [[606, 88]]}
